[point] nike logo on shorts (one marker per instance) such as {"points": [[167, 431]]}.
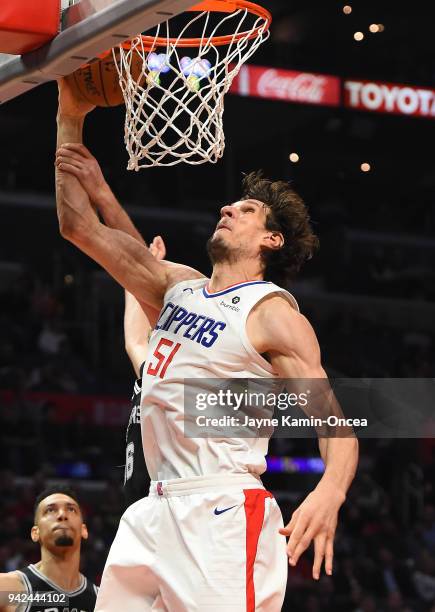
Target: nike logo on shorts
{"points": [[217, 512]]}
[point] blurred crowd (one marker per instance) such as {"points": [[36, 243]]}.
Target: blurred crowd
{"points": [[385, 544], [39, 346], [382, 351]]}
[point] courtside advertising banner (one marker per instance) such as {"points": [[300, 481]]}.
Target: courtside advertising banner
{"points": [[287, 85], [389, 98]]}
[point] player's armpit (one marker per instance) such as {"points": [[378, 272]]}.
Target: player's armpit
{"points": [[137, 353], [139, 319], [151, 314]]}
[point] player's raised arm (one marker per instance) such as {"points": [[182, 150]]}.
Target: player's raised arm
{"points": [[123, 256], [78, 161], [139, 320], [290, 342], [139, 317]]}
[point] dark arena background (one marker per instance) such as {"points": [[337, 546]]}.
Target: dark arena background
{"points": [[341, 102]]}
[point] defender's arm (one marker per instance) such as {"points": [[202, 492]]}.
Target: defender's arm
{"points": [[140, 319], [137, 329], [10, 582]]}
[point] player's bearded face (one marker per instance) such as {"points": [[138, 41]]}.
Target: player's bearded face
{"points": [[59, 522], [239, 233], [221, 251], [64, 540]]}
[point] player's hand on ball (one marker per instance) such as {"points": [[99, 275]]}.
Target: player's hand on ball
{"points": [[315, 520], [76, 159], [158, 248], [71, 105]]}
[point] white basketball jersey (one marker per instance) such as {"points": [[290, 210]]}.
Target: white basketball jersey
{"points": [[200, 335]]}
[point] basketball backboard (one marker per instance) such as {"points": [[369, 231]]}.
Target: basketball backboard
{"points": [[87, 28]]}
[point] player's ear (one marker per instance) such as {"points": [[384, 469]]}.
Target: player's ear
{"points": [[274, 240], [84, 531], [34, 533]]}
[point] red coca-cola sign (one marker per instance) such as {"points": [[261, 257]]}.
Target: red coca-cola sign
{"points": [[389, 98], [287, 85]]}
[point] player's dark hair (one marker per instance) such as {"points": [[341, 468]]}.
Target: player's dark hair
{"points": [[52, 491], [287, 214]]}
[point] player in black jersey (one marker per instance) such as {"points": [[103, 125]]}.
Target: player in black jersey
{"points": [[138, 323], [55, 583], [136, 478]]}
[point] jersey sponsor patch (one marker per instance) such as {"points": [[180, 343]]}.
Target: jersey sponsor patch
{"points": [[230, 306]]}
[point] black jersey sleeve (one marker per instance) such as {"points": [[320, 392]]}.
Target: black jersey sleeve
{"points": [[136, 479], [47, 596]]}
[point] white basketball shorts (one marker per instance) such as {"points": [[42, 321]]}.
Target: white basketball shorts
{"points": [[198, 545]]}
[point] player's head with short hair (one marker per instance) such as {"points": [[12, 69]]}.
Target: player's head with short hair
{"points": [[64, 490], [278, 233], [58, 519]]}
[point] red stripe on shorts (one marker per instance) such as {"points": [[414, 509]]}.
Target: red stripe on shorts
{"points": [[254, 511]]}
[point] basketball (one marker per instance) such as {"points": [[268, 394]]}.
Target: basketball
{"points": [[98, 81]]}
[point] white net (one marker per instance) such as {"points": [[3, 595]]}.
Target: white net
{"points": [[174, 93]]}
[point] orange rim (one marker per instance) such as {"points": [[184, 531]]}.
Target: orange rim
{"points": [[214, 6]]}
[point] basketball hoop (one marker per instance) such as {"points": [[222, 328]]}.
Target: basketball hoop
{"points": [[174, 107]]}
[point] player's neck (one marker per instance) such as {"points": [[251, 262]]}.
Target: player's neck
{"points": [[226, 274], [62, 570]]}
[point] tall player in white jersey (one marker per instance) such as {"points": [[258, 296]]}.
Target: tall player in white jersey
{"points": [[209, 537]]}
